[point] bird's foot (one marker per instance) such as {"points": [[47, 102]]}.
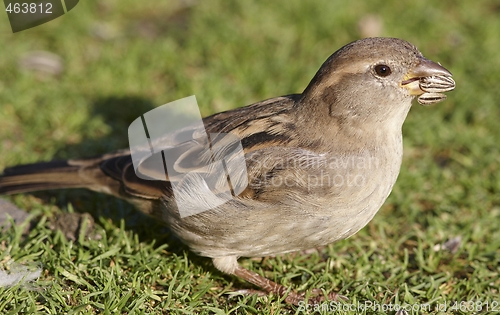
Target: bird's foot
{"points": [[318, 297], [291, 297]]}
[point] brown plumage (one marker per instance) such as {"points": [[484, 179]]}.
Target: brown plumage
{"points": [[320, 164]]}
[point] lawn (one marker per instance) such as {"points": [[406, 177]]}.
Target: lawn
{"points": [[115, 60]]}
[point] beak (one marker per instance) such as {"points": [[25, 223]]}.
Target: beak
{"points": [[425, 68]]}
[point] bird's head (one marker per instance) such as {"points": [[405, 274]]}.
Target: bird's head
{"points": [[376, 79]]}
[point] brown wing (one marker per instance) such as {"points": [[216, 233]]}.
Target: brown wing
{"points": [[253, 124]]}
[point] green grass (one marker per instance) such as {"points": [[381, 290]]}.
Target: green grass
{"points": [[123, 58]]}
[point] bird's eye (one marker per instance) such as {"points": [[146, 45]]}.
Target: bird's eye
{"points": [[382, 70]]}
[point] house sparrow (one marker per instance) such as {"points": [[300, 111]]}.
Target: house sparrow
{"points": [[320, 164]]}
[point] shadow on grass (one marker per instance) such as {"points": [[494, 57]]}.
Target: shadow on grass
{"points": [[118, 113]]}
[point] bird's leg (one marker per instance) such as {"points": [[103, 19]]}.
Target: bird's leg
{"points": [[273, 287]]}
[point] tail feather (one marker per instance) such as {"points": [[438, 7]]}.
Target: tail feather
{"points": [[111, 174], [41, 176]]}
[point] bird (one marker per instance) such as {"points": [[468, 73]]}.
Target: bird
{"points": [[319, 164]]}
